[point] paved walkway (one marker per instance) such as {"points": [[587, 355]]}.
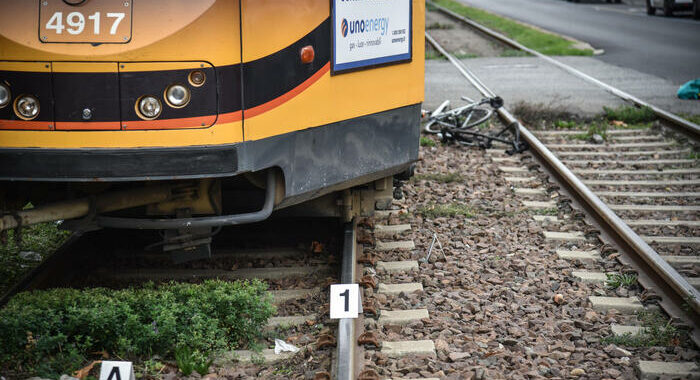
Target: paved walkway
{"points": [[535, 81]]}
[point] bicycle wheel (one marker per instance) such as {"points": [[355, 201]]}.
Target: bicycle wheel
{"points": [[432, 127], [438, 125], [475, 117]]}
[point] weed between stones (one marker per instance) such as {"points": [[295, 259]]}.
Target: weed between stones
{"points": [[629, 115], [188, 361], [426, 141], [546, 211], [616, 280], [445, 210], [547, 116], [438, 177], [656, 331]]}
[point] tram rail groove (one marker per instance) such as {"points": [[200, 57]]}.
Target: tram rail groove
{"points": [[679, 298], [676, 121]]}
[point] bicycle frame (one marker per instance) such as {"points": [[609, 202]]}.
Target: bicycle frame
{"points": [[452, 129]]}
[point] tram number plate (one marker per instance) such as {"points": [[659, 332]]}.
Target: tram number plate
{"points": [[104, 21]]}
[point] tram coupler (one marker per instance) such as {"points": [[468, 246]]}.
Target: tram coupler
{"points": [[189, 246]]}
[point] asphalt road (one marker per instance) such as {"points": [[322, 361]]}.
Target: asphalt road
{"points": [[664, 47]]}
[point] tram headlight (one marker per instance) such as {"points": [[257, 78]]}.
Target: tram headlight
{"points": [[197, 78], [177, 96], [27, 107], [148, 107], [4, 95]]}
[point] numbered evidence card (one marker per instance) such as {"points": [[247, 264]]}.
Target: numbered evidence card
{"points": [[370, 32], [345, 301]]}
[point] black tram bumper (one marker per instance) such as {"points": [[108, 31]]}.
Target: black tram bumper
{"points": [[314, 161]]}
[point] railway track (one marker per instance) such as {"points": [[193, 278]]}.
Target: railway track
{"points": [[638, 190], [418, 321], [658, 200], [574, 243], [402, 330], [298, 263], [298, 259]]}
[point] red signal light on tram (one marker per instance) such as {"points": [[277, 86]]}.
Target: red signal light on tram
{"points": [[307, 54]]}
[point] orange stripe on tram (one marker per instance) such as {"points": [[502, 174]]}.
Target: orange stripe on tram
{"points": [[87, 125], [257, 110], [26, 125], [183, 123]]}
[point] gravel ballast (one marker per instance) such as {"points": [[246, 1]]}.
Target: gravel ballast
{"points": [[491, 299]]}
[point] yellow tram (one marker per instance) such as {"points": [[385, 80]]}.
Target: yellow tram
{"points": [[102, 97]]}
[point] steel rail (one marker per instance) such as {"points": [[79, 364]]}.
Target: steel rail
{"points": [[345, 364], [653, 266], [686, 125], [43, 270]]}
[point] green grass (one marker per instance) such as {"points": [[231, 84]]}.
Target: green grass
{"points": [[427, 141], [189, 361], [449, 210], [48, 333], [692, 118], [636, 126], [284, 369], [485, 125], [542, 42], [566, 124], [624, 117], [658, 331], [616, 280], [694, 156], [150, 369], [41, 238], [431, 54], [632, 117], [593, 129], [514, 53], [546, 211], [439, 177], [629, 115]]}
